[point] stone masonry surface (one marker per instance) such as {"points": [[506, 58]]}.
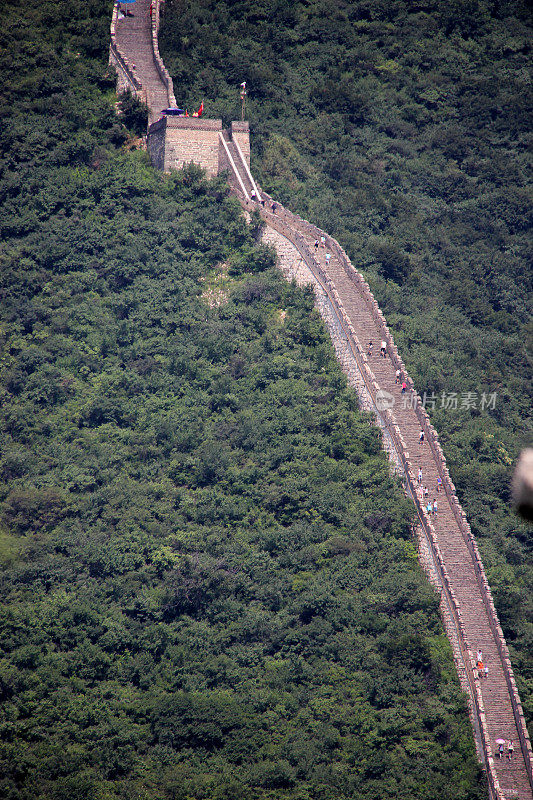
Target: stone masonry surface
{"points": [[192, 143], [294, 268]]}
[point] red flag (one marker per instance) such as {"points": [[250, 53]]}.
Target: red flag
{"points": [[201, 109]]}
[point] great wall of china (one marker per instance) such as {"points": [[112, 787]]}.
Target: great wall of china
{"points": [[447, 548]]}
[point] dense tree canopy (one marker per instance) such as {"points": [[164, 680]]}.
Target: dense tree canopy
{"points": [[209, 583], [403, 130]]}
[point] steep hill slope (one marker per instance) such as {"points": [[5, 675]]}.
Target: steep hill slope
{"points": [[403, 131], [209, 585]]}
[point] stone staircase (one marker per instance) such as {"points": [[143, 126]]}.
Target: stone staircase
{"points": [[134, 39], [239, 176], [493, 701]]}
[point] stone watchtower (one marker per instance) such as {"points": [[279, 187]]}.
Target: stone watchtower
{"points": [[172, 141], [175, 141]]}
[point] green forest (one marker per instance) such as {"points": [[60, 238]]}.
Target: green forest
{"points": [[403, 129], [209, 581]]}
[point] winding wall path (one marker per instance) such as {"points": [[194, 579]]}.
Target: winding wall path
{"points": [[447, 540], [135, 53], [467, 601]]}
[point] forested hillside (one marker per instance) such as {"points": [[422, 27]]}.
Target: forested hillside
{"points": [[403, 130], [209, 581]]}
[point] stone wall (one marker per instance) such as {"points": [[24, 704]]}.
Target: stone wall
{"points": [[292, 226], [296, 265], [175, 141], [127, 81], [162, 70], [156, 143], [190, 139]]}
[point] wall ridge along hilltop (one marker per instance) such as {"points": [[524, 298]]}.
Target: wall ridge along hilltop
{"points": [[494, 701], [127, 80]]}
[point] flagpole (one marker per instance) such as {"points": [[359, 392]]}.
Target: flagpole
{"points": [[243, 99]]}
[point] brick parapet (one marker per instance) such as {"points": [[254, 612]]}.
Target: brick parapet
{"points": [[194, 123], [160, 66], [288, 224], [126, 78], [196, 144]]}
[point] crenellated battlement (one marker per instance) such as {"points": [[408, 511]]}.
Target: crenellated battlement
{"points": [[175, 141]]}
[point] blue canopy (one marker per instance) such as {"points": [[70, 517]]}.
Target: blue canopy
{"points": [[175, 111]]}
